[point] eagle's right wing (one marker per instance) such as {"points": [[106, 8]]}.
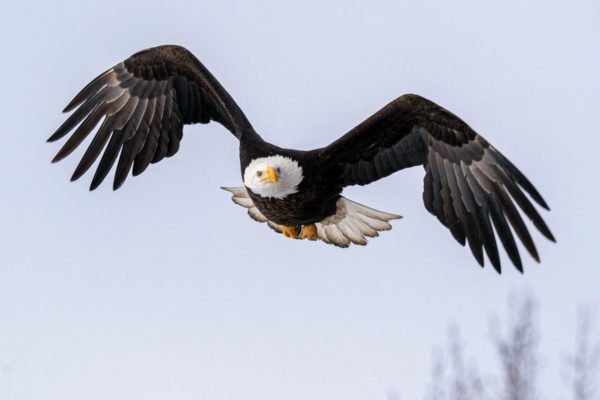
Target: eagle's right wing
{"points": [[143, 103]]}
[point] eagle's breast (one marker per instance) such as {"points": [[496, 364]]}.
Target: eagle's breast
{"points": [[288, 192]]}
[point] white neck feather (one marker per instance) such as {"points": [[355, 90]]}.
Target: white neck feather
{"points": [[288, 179]]}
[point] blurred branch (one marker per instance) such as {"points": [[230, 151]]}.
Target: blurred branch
{"points": [[518, 353], [462, 383], [438, 377], [584, 363], [516, 341]]}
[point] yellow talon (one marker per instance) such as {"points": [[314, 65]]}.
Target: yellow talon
{"points": [[289, 231], [309, 232]]}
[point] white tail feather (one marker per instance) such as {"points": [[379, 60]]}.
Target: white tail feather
{"points": [[352, 222], [241, 198]]}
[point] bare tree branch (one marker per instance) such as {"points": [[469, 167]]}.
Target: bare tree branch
{"points": [[462, 383], [584, 363], [516, 342], [436, 389], [517, 350]]}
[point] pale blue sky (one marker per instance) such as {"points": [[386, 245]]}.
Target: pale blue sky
{"points": [[167, 290]]}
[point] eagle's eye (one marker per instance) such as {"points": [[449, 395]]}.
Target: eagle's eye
{"points": [[278, 170], [259, 173]]}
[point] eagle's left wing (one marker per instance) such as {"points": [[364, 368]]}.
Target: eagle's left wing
{"points": [[469, 185]]}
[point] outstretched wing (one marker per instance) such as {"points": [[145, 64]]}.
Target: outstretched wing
{"points": [[143, 103], [469, 185]]}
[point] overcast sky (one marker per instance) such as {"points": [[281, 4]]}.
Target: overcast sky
{"points": [[167, 290]]}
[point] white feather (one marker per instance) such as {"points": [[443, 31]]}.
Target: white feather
{"points": [[241, 198], [351, 232], [353, 222], [289, 176], [335, 235]]}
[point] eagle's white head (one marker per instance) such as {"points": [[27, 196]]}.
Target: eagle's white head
{"points": [[273, 176]]}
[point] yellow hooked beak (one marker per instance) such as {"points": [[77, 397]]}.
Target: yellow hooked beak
{"points": [[271, 175]]}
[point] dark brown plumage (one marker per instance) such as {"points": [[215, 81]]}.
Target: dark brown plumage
{"points": [[470, 187], [467, 181], [146, 101]]}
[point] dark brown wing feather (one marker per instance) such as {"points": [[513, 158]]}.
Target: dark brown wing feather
{"points": [[469, 185], [143, 103]]}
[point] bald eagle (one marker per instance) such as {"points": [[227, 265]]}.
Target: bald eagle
{"points": [[472, 189]]}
